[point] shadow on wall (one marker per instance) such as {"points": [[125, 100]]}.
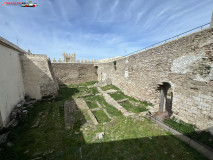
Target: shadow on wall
{"points": [[52, 73], [60, 143], [39, 80]]}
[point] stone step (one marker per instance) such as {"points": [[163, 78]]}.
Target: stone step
{"points": [[114, 103], [122, 100], [81, 104]]}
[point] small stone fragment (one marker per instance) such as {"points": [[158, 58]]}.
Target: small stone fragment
{"points": [[48, 152], [25, 112], [26, 151], [37, 158], [36, 123], [9, 144], [3, 137], [12, 123], [36, 153], [13, 115], [122, 100], [18, 105], [100, 135], [32, 101]]}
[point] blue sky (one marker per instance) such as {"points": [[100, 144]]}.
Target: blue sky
{"points": [[96, 29]]}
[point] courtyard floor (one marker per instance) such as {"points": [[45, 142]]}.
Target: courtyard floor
{"points": [[88, 122]]}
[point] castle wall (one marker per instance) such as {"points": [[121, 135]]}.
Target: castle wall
{"points": [[186, 63], [11, 82], [39, 80], [73, 73]]}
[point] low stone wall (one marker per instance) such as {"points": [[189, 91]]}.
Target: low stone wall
{"points": [[185, 63], [73, 73], [39, 81]]}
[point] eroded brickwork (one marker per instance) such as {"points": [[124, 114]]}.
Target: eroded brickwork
{"points": [[185, 63]]}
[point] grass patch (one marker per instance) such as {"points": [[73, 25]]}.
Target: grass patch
{"points": [[117, 96], [95, 98], [111, 110], [66, 93], [86, 84], [121, 95], [134, 109], [101, 116], [189, 130], [84, 90], [140, 106], [92, 104], [124, 138], [108, 87], [94, 90], [145, 103]]}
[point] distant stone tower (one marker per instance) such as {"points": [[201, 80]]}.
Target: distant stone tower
{"points": [[69, 58], [211, 25], [54, 60]]}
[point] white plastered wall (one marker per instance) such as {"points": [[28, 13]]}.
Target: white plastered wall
{"points": [[11, 82]]}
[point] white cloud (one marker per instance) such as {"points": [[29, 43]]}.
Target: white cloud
{"points": [[99, 28]]}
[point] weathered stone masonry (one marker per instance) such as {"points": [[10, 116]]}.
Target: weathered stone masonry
{"points": [[39, 81], [73, 73], [185, 63]]}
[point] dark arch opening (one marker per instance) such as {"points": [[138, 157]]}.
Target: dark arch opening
{"points": [[96, 70], [166, 98]]}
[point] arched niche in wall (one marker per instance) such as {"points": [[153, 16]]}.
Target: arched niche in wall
{"points": [[96, 70], [166, 97]]}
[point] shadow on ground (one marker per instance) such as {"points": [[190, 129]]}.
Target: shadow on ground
{"points": [[50, 140]]}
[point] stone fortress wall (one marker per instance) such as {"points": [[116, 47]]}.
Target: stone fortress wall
{"points": [[22, 74], [67, 58], [181, 69], [183, 66], [73, 73]]}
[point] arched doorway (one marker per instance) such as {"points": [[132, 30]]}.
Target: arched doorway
{"points": [[166, 98], [96, 70]]}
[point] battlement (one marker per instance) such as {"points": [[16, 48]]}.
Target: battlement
{"points": [[71, 58]]}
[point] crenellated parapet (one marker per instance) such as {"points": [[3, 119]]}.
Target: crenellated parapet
{"points": [[106, 60], [71, 58]]}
